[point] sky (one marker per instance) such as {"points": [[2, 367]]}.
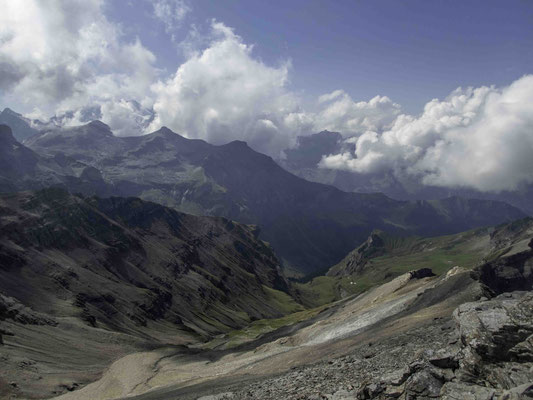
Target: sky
{"points": [[421, 87], [410, 51]]}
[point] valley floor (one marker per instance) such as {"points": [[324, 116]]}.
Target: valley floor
{"points": [[334, 378]]}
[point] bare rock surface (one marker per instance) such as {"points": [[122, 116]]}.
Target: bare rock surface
{"points": [[491, 360], [482, 353], [350, 350]]}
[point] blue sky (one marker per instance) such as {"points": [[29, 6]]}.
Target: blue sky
{"points": [[411, 51]]}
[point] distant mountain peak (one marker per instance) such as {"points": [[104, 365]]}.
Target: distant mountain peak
{"points": [[167, 134], [8, 110], [21, 127], [165, 131], [99, 124], [310, 149], [309, 224], [237, 144], [328, 133]]}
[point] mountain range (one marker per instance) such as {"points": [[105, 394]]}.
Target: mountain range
{"points": [[311, 226], [115, 298]]}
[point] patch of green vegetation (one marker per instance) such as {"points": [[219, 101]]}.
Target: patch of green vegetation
{"points": [[327, 289], [212, 321], [278, 300], [321, 290], [402, 255], [282, 301], [261, 327]]}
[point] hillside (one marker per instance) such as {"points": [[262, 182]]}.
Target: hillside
{"points": [[106, 275], [132, 289], [383, 257]]}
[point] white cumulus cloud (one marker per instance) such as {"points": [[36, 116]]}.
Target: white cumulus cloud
{"points": [[480, 138], [60, 56], [342, 114], [223, 93], [171, 13], [66, 58]]}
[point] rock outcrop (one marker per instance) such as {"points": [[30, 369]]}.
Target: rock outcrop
{"points": [[507, 274], [357, 259], [491, 359], [13, 310]]}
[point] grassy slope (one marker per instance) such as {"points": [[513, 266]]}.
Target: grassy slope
{"points": [[403, 254]]}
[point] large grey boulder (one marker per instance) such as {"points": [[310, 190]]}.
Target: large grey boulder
{"points": [[493, 328], [492, 360], [464, 391]]}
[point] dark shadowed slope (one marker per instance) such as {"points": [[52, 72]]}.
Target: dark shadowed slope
{"points": [[125, 264]]}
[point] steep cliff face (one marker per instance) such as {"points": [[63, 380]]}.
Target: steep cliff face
{"points": [[491, 357], [509, 266]]}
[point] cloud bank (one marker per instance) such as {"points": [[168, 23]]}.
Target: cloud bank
{"points": [[69, 60], [341, 114], [59, 56], [479, 138]]}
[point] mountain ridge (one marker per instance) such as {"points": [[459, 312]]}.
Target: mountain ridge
{"points": [[310, 225]]}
